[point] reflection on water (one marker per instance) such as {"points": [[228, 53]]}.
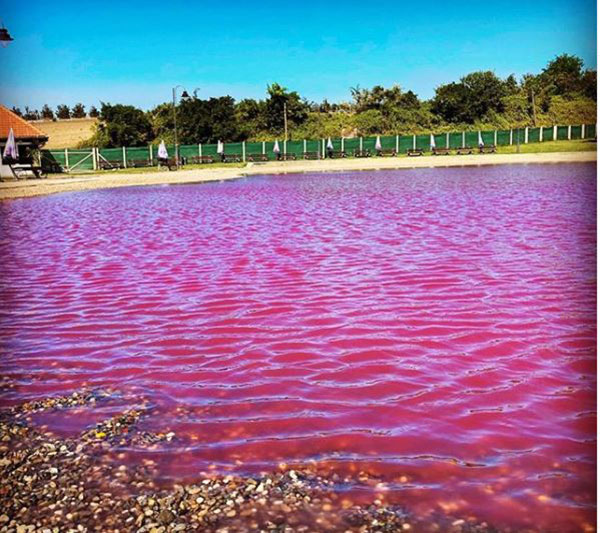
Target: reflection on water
{"points": [[436, 327]]}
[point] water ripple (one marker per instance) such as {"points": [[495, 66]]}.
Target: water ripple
{"points": [[433, 324]]}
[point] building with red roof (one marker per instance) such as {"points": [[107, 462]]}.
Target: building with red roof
{"points": [[29, 139]]}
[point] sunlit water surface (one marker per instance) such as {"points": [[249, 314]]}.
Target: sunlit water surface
{"points": [[437, 324]]}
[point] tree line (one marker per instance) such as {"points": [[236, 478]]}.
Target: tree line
{"points": [[62, 112], [562, 93]]}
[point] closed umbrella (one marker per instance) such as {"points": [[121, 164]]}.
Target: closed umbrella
{"points": [[432, 141], [276, 149], [10, 150], [162, 151], [329, 144], [220, 147], [378, 144], [480, 138]]}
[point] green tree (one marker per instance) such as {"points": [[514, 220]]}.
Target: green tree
{"points": [[122, 125], [251, 117], [297, 110], [589, 84], [78, 111], [63, 112], [94, 113], [47, 113], [207, 121], [161, 118], [563, 74], [472, 98], [369, 122], [17, 111], [31, 114]]}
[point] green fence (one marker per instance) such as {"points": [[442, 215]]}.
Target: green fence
{"points": [[81, 160]]}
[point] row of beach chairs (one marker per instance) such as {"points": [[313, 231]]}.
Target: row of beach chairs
{"points": [[107, 164], [23, 170]]}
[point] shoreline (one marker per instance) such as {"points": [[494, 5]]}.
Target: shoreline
{"points": [[107, 180], [85, 483]]}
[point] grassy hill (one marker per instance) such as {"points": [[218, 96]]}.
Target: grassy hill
{"points": [[66, 133]]}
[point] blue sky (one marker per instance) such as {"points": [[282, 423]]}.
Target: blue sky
{"points": [[135, 52]]}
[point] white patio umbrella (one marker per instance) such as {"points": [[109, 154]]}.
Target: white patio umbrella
{"points": [[378, 144], [480, 139], [276, 149], [10, 150], [220, 147], [162, 151], [432, 141], [329, 144]]}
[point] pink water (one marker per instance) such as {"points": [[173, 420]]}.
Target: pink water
{"points": [[437, 324]]}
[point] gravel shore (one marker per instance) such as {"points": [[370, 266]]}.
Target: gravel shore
{"points": [[33, 187], [51, 485]]}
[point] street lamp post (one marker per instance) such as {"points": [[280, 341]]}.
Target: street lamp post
{"points": [[5, 37], [184, 96]]}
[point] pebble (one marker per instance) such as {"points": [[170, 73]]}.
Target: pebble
{"points": [[84, 480]]}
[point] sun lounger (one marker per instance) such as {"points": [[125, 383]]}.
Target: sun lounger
{"points": [[464, 150], [110, 164], [362, 153], [201, 159], [487, 149], [257, 157], [231, 158], [336, 154], [169, 163], [27, 170], [386, 153], [288, 157], [311, 155], [412, 152], [138, 163], [440, 151]]}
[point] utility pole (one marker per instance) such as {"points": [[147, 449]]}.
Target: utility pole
{"points": [[175, 127], [184, 96], [285, 120]]}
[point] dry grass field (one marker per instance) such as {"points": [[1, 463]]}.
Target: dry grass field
{"points": [[66, 133]]}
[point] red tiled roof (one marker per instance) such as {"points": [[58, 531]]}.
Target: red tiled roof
{"points": [[21, 128]]}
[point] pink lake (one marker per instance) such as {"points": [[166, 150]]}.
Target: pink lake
{"points": [[434, 324]]}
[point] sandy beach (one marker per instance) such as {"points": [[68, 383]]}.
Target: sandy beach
{"points": [[35, 187]]}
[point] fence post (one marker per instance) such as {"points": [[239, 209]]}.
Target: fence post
{"points": [[464, 136], [360, 144], [263, 148], [125, 157], [284, 146], [397, 144], [555, 133], [150, 154], [541, 133], [414, 142], [94, 161], [448, 140], [67, 158], [244, 151], [583, 131], [495, 137], [304, 145], [323, 148], [569, 133], [342, 145], [510, 137], [526, 134]]}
